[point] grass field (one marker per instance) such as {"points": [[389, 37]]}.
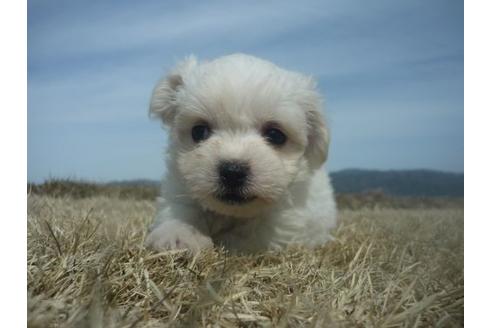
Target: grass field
{"points": [[389, 267]]}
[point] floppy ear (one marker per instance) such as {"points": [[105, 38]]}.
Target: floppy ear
{"points": [[318, 140], [318, 135], [163, 101]]}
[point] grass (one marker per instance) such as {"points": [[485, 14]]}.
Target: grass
{"points": [[84, 189], [389, 267]]}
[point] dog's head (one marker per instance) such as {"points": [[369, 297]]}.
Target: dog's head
{"points": [[242, 131]]}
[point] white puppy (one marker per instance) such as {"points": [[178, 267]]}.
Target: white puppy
{"points": [[245, 161]]}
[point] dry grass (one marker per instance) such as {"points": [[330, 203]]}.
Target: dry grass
{"points": [[387, 268], [85, 189]]}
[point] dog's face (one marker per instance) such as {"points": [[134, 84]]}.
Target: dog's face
{"points": [[242, 131]]}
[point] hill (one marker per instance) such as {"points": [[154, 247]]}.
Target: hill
{"points": [[400, 182], [411, 183]]}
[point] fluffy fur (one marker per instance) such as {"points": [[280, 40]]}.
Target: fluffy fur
{"points": [[288, 196]]}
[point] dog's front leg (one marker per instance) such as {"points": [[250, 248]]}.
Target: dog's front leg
{"points": [[184, 233]]}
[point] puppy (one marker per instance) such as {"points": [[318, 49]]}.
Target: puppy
{"points": [[245, 160]]}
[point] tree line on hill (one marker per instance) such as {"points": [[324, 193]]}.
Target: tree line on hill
{"points": [[423, 183]]}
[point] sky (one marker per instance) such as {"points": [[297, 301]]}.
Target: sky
{"points": [[391, 73]]}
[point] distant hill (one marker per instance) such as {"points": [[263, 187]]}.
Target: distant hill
{"points": [[399, 182], [412, 183]]}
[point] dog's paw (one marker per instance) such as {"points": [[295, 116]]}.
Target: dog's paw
{"points": [[177, 235]]}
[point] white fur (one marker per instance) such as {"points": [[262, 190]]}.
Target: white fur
{"points": [[237, 96]]}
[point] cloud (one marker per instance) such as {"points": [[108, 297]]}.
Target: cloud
{"points": [[99, 30]]}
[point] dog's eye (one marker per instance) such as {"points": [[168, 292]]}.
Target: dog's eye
{"points": [[200, 132], [275, 136]]}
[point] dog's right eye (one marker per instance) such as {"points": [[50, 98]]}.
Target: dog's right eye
{"points": [[200, 132], [275, 136]]}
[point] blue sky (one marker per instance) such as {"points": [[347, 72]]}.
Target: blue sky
{"points": [[391, 73]]}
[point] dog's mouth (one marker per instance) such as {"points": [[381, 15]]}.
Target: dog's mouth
{"points": [[233, 198]]}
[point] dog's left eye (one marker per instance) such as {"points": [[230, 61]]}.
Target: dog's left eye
{"points": [[200, 132], [275, 136]]}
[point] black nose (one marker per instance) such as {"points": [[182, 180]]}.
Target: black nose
{"points": [[233, 174]]}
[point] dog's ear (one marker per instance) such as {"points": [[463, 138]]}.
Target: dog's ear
{"points": [[163, 103], [318, 134], [318, 139]]}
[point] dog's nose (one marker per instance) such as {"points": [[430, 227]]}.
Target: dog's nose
{"points": [[233, 174]]}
